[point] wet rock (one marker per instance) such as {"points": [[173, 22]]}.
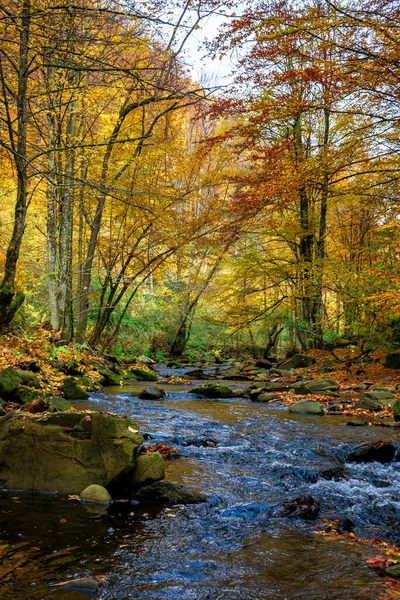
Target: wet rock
{"points": [[396, 410], [339, 523], [382, 452], [306, 407], [95, 493], [166, 492], [142, 373], [393, 571], [376, 400], [152, 393], [298, 361], [200, 442], [356, 423], [247, 510], [332, 473], [264, 397], [303, 508], [197, 374], [148, 469], [65, 451], [72, 390], [213, 390]]}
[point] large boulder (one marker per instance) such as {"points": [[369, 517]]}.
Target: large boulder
{"points": [[306, 407], [298, 361], [108, 377], [10, 379], [65, 451], [376, 400], [148, 468]]}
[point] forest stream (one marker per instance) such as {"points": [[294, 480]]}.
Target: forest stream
{"points": [[235, 545]]}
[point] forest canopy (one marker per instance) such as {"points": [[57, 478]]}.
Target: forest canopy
{"points": [[144, 211]]}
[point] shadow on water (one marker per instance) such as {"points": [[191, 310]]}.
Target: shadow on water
{"points": [[232, 547]]}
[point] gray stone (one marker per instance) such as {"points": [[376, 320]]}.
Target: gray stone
{"points": [[306, 407], [148, 468], [96, 493], [265, 398]]}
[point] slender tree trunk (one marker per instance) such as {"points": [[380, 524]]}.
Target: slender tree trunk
{"points": [[9, 301], [52, 225]]}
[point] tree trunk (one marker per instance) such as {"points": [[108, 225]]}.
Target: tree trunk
{"points": [[9, 301]]}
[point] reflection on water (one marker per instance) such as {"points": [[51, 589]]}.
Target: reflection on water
{"points": [[233, 546]]}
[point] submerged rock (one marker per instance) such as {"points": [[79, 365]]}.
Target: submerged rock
{"points": [[95, 493], [304, 508], [382, 452], [306, 407], [166, 492], [65, 451]]}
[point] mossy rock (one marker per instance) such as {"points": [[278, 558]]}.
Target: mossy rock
{"points": [[95, 493], [396, 410], [306, 407], [376, 400], [393, 571], [142, 373], [29, 378], [167, 492], [57, 404], [66, 451], [25, 394], [321, 386], [109, 378], [10, 379], [213, 390], [148, 469], [87, 383], [72, 390]]}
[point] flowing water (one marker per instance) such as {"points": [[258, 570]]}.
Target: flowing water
{"points": [[234, 546]]}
